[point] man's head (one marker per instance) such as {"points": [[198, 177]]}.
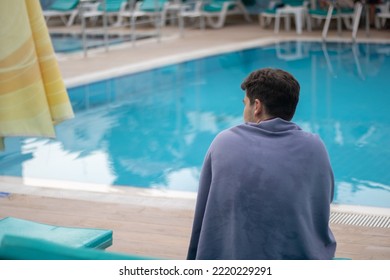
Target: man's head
{"points": [[270, 93]]}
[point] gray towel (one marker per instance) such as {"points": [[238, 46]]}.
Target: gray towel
{"points": [[264, 193]]}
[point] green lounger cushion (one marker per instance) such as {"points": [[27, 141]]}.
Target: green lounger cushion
{"points": [[23, 248], [152, 5], [64, 5], [112, 5], [217, 5], [347, 10], [270, 11], [294, 3], [69, 236], [320, 12]]}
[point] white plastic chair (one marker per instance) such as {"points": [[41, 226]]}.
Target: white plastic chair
{"points": [[383, 15], [96, 10], [214, 12], [62, 9], [193, 12], [152, 9]]}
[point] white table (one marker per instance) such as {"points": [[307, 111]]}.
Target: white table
{"points": [[297, 11]]}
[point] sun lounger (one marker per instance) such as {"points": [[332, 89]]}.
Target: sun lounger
{"points": [[25, 248], [382, 15], [110, 7], [68, 236], [191, 11], [285, 9], [214, 12], [62, 9], [350, 16], [153, 9]]}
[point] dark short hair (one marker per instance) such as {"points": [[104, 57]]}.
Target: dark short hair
{"points": [[278, 90]]}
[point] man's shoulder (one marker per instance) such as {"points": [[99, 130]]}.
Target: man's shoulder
{"points": [[231, 131], [311, 140], [230, 134]]}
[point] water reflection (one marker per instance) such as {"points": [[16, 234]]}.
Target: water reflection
{"points": [[153, 128]]}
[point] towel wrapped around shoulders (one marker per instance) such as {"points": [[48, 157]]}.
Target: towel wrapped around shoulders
{"points": [[264, 193]]}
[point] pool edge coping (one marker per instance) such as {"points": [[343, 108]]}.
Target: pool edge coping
{"points": [[133, 195], [188, 56]]}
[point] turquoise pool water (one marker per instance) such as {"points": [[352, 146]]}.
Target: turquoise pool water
{"points": [[152, 129]]}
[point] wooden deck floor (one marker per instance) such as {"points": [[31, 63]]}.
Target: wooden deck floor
{"points": [[163, 232]]}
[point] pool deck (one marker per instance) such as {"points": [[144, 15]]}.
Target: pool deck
{"points": [[157, 223]]}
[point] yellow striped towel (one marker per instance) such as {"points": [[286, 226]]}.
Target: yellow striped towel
{"points": [[33, 97]]}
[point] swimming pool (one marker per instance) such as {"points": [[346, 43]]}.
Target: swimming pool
{"points": [[152, 129]]}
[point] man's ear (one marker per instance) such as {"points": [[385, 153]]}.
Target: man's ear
{"points": [[258, 107]]}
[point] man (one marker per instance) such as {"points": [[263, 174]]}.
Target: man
{"points": [[266, 186]]}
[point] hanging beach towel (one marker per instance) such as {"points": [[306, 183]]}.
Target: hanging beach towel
{"points": [[33, 97]]}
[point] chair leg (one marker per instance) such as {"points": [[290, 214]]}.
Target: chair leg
{"points": [[202, 22], [72, 17], [216, 24], [221, 17], [377, 23], [338, 18], [264, 21], [181, 24], [327, 22], [298, 22], [308, 22], [277, 23], [261, 20], [244, 11], [356, 20], [133, 29], [63, 19], [287, 22], [47, 18], [163, 17]]}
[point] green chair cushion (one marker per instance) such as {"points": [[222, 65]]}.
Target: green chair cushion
{"points": [[270, 11], [320, 12], [294, 3], [153, 5], [112, 5], [69, 236], [64, 5], [216, 6], [347, 10]]}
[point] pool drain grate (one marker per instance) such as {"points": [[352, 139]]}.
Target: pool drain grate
{"points": [[360, 220]]}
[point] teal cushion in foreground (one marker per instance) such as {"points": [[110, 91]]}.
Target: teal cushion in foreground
{"points": [[69, 236], [22, 248]]}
